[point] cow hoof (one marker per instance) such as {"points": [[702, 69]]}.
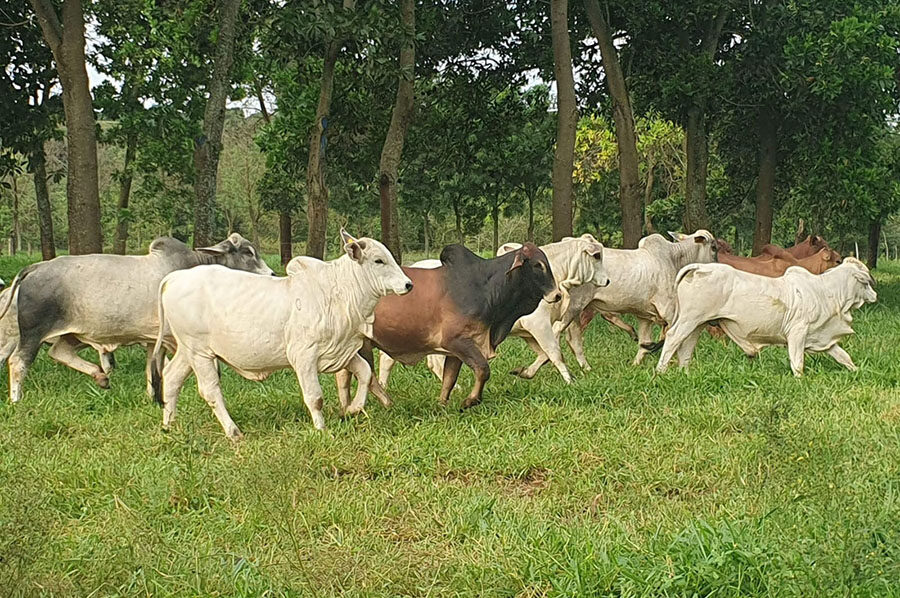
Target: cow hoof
{"points": [[102, 381], [234, 434]]}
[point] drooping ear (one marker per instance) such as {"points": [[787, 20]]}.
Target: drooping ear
{"points": [[519, 260], [507, 248], [595, 250], [700, 239]]}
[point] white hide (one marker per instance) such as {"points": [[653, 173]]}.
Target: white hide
{"points": [[807, 312], [642, 283], [314, 320]]}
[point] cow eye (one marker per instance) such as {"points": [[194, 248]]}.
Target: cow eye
{"points": [[379, 261]]}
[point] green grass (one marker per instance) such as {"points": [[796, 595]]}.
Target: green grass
{"points": [[734, 479]]}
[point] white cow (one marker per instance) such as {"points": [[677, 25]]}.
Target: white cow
{"points": [[313, 320], [642, 284], [575, 262], [810, 313]]}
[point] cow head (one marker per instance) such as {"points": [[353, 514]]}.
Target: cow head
{"points": [[861, 281], [825, 259], [378, 265], [702, 244], [532, 272], [584, 255], [238, 253]]}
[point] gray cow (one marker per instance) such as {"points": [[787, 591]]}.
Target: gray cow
{"points": [[104, 301]]}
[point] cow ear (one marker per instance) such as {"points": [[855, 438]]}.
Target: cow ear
{"points": [[355, 250], [700, 239], [346, 237], [595, 250], [507, 248], [235, 239], [519, 260], [219, 248], [677, 236]]}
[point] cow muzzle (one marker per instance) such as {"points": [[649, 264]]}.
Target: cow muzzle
{"points": [[604, 284], [554, 296], [406, 288]]}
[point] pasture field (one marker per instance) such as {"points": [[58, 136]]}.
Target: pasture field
{"points": [[734, 479]]}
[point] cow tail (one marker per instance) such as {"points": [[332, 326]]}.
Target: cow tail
{"points": [[11, 290], [656, 346], [159, 349]]}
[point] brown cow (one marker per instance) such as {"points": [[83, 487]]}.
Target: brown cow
{"points": [[773, 267], [812, 245], [463, 310]]}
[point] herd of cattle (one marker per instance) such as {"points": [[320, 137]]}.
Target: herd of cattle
{"points": [[224, 304]]}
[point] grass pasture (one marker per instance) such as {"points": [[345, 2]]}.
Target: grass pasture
{"points": [[734, 479]]}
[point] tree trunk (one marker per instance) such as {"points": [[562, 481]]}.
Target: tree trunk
{"points": [[42, 197], [14, 243], [396, 134], [120, 244], [648, 198], [529, 234], [495, 218], [626, 139], [459, 230], [425, 232], [209, 145], [697, 147], [874, 240], [567, 120], [66, 41], [316, 191], [284, 236], [696, 135], [765, 182]]}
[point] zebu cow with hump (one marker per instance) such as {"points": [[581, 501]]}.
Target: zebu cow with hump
{"points": [[463, 310], [575, 262], [642, 283], [314, 320], [104, 300], [807, 312]]}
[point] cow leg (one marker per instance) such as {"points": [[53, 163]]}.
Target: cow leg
{"points": [[107, 361], [617, 321], [575, 337], [19, 362], [6, 349], [473, 358], [174, 374], [385, 365], [796, 351], [549, 344], [63, 351], [308, 377], [360, 368], [207, 372], [435, 363], [678, 334], [645, 337], [448, 381], [342, 380], [380, 393], [686, 350], [541, 358], [842, 357]]}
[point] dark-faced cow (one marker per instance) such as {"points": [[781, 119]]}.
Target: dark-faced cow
{"points": [[104, 300], [463, 310]]}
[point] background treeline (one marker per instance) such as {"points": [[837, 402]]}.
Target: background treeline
{"points": [[434, 122]]}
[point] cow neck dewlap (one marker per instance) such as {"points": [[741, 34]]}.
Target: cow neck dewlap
{"points": [[683, 253], [560, 258], [355, 294]]}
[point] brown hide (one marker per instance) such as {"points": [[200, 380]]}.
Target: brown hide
{"points": [[769, 265]]}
